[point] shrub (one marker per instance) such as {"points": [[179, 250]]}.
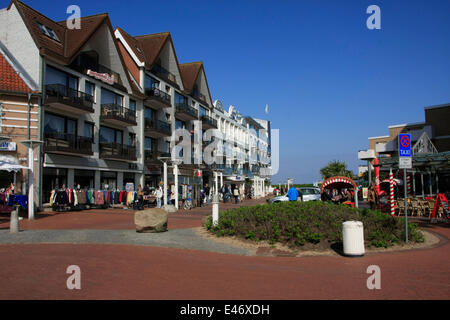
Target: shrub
{"points": [[299, 223]]}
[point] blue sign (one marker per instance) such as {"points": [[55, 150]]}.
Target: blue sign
{"points": [[404, 145]]}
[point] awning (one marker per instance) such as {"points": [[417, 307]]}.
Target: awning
{"points": [[10, 163], [338, 182]]}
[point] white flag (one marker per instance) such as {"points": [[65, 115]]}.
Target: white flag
{"points": [[267, 109]]}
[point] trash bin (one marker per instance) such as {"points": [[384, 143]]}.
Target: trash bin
{"points": [[353, 238]]}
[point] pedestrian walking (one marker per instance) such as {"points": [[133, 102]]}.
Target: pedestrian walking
{"points": [[159, 194], [236, 195], [293, 194]]}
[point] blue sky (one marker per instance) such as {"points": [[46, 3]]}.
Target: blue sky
{"points": [[329, 81]]}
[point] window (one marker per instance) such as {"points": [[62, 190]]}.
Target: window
{"points": [[203, 111], [179, 98], [132, 105], [132, 139], [180, 124], [58, 124], [89, 130], [148, 113], [150, 83], [149, 143], [48, 31], [55, 76], [109, 97], [90, 89], [110, 135]]}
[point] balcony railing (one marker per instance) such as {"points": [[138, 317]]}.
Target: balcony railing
{"points": [[208, 121], [83, 65], [163, 73], [158, 126], [67, 143], [160, 98], [152, 156], [183, 108], [199, 96], [62, 94], [112, 111], [117, 151]]}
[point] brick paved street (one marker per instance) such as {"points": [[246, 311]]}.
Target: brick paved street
{"points": [[118, 271]]}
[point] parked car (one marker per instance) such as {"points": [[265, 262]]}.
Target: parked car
{"points": [[278, 199], [310, 193]]}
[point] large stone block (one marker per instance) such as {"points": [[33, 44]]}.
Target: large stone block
{"points": [[170, 208], [151, 220]]}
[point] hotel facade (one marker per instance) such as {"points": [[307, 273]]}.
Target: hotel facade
{"points": [[111, 107]]}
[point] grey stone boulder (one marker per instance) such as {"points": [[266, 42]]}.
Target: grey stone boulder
{"points": [[170, 208], [151, 220]]}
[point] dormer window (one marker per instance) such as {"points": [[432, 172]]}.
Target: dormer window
{"points": [[48, 31]]}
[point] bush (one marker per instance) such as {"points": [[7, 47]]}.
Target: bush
{"points": [[299, 223]]}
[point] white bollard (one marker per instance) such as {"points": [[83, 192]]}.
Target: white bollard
{"points": [[14, 222], [215, 210], [353, 238]]}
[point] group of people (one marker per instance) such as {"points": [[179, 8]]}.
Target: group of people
{"points": [[232, 191], [337, 196]]}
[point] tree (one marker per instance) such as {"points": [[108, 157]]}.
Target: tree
{"points": [[335, 168]]}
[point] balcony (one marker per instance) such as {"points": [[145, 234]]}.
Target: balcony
{"points": [[151, 157], [117, 151], [64, 143], [200, 97], [164, 74], [157, 99], [208, 122], [68, 100], [98, 71], [185, 112], [117, 115], [157, 129]]}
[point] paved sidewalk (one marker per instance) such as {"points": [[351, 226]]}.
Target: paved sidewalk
{"points": [[177, 238], [114, 219]]}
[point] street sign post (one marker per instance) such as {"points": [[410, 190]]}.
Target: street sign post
{"points": [[405, 162]]}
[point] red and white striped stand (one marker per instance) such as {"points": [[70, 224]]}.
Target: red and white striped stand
{"points": [[391, 193], [408, 179]]}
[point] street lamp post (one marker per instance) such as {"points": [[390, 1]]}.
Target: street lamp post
{"points": [[31, 145]]}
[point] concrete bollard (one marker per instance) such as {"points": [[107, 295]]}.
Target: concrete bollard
{"points": [[215, 210], [14, 222]]}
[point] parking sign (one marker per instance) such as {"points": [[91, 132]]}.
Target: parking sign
{"points": [[404, 151]]}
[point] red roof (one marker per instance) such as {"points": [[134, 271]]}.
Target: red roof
{"points": [[10, 80]]}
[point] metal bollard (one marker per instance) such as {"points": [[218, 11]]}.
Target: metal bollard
{"points": [[14, 222], [215, 210]]}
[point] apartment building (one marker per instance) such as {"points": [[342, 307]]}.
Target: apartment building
{"points": [[112, 105], [246, 147], [88, 119], [177, 97]]}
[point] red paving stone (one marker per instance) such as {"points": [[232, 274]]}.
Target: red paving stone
{"points": [[38, 271], [112, 219]]}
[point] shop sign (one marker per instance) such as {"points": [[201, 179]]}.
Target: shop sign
{"points": [[8, 146], [198, 173], [105, 77]]}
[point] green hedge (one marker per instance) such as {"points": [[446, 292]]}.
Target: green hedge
{"points": [[298, 223]]}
